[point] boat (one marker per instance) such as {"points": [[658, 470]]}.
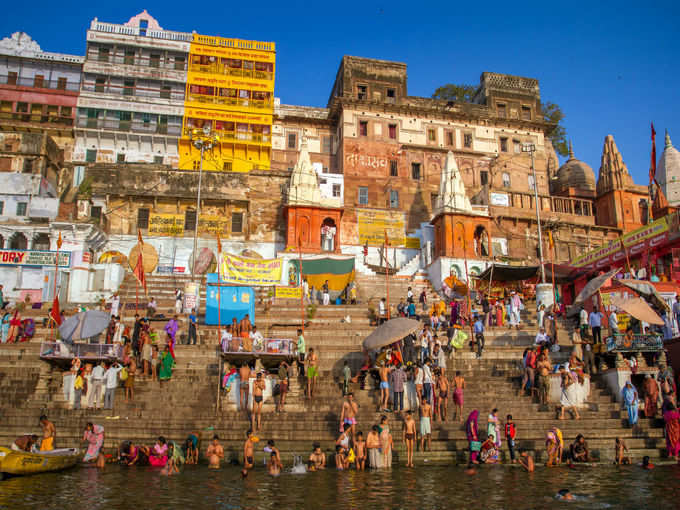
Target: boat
{"points": [[14, 462]]}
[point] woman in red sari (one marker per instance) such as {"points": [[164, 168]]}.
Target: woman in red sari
{"points": [[14, 328], [672, 419]]}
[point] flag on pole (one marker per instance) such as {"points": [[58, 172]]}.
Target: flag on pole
{"points": [[550, 239], [56, 313], [652, 163], [59, 243], [139, 267], [219, 244]]}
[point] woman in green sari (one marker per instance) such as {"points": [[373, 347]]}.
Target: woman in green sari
{"points": [[166, 365]]}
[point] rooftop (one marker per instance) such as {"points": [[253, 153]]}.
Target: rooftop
{"points": [[20, 44]]}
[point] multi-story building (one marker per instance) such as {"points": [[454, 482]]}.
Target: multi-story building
{"points": [[668, 172], [132, 95]]}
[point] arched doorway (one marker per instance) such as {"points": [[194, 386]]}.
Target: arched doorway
{"points": [[2, 242], [644, 211], [481, 242], [18, 241], [328, 232], [41, 242]]}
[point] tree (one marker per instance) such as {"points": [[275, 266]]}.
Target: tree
{"points": [[552, 113], [451, 92]]}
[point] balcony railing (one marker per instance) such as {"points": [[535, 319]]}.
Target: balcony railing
{"points": [[136, 91], [271, 346], [63, 351], [134, 126], [112, 28], [237, 136], [231, 101], [219, 68], [41, 119], [153, 64], [69, 86]]}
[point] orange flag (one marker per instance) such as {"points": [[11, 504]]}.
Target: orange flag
{"points": [[139, 267], [56, 313], [59, 242]]}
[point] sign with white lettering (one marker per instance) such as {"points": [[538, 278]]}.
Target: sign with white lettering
{"points": [[501, 199], [34, 258]]}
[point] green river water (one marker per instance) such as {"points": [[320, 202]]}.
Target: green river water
{"points": [[427, 487]]}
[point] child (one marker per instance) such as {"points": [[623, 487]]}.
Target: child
{"points": [[510, 432], [489, 452], [621, 449], [340, 458], [526, 461], [646, 464], [360, 448]]}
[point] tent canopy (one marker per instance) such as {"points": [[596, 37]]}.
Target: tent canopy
{"points": [[505, 273], [638, 308], [391, 331]]}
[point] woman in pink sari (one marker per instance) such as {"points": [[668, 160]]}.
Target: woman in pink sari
{"points": [[672, 418], [158, 456], [94, 435]]}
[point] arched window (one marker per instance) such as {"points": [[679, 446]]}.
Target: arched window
{"points": [[481, 242], [18, 241], [41, 242], [328, 232], [644, 211]]}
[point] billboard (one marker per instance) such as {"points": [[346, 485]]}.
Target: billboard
{"points": [[373, 223]]}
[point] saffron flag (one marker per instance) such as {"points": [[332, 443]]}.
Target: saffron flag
{"points": [[139, 267], [56, 313], [550, 239], [652, 163], [59, 242]]}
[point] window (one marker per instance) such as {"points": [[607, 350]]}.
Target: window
{"points": [[363, 195], [500, 110], [120, 158], [66, 111], [362, 91], [394, 199], [179, 63], [467, 140], [5, 164], [190, 220], [129, 58], [325, 170], [96, 212], [2, 208], [336, 190], [431, 135], [100, 84], [128, 87], [226, 166], [61, 83], [165, 91], [21, 208], [28, 166], [483, 177], [392, 131], [415, 171], [155, 60], [142, 218], [531, 182], [103, 54], [11, 78], [326, 144], [91, 155], [38, 80], [517, 146], [237, 222], [504, 144], [433, 199], [363, 128], [526, 113], [162, 125], [391, 95], [124, 120], [292, 140], [158, 160], [506, 180], [449, 139], [393, 168]]}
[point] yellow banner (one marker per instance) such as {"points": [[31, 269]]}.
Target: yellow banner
{"points": [[166, 225], [374, 222], [412, 242], [289, 292], [235, 53], [245, 271], [227, 116], [212, 224], [232, 82]]}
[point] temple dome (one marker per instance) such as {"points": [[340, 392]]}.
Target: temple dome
{"points": [[576, 174]]}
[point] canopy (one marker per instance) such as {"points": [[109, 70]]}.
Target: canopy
{"points": [[391, 331], [84, 325], [593, 286], [647, 290], [505, 273], [638, 308]]}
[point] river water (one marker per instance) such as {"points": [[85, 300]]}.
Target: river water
{"points": [[429, 487]]}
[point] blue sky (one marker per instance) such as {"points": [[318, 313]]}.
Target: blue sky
{"points": [[612, 66]]}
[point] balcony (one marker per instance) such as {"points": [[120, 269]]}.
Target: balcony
{"points": [[133, 91], [219, 68], [112, 28], [231, 101], [133, 126], [33, 83], [57, 120], [237, 136]]}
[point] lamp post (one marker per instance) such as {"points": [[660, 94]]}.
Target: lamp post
{"points": [[203, 140], [531, 148]]}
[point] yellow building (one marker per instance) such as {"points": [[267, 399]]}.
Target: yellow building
{"points": [[230, 87]]}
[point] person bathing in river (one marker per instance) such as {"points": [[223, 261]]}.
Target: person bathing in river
{"points": [[621, 450], [215, 453], [94, 435]]}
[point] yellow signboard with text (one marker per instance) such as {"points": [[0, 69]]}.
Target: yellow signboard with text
{"points": [[288, 292], [247, 271], [166, 225], [374, 222], [212, 224]]}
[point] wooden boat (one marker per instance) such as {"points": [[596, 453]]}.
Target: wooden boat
{"points": [[25, 463]]}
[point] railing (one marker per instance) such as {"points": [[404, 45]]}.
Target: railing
{"points": [[231, 101], [129, 125], [220, 68], [274, 346], [137, 60], [40, 84], [112, 28], [121, 90], [234, 43], [43, 119], [236, 136], [620, 343], [61, 350]]}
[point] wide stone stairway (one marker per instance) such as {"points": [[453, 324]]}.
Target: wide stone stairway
{"points": [[187, 403]]}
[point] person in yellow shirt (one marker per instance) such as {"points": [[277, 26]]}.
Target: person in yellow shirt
{"points": [[79, 388]]}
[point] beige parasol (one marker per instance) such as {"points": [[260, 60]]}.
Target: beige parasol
{"points": [[391, 331], [638, 308], [593, 286], [150, 257], [646, 290]]}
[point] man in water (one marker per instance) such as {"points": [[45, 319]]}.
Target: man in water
{"points": [[360, 451], [349, 412], [215, 453], [425, 424], [526, 461], [244, 385], [312, 372], [248, 448], [409, 431], [317, 457], [386, 443], [373, 447], [24, 443], [49, 434], [258, 388], [383, 372], [274, 465], [565, 494]]}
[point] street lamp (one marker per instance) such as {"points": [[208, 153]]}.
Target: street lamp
{"points": [[203, 140], [531, 148]]}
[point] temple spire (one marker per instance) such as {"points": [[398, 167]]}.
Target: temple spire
{"points": [[452, 196], [571, 150], [304, 183], [668, 141]]}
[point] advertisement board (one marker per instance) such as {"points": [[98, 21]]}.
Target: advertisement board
{"points": [[374, 222]]}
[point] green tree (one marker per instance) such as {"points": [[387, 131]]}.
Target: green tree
{"points": [[552, 113]]}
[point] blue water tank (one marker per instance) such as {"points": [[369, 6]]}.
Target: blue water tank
{"points": [[235, 301]]}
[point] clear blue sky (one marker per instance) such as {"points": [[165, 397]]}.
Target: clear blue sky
{"points": [[612, 66]]}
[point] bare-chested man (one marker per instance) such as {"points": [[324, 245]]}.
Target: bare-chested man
{"points": [[317, 457], [274, 465], [425, 425], [215, 453], [258, 389], [49, 434], [130, 381], [245, 327], [349, 412], [384, 373], [244, 385], [312, 372], [248, 449], [458, 387], [443, 391], [360, 451], [526, 461], [409, 431], [543, 369]]}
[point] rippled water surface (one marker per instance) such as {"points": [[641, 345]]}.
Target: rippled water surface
{"points": [[425, 487]]}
